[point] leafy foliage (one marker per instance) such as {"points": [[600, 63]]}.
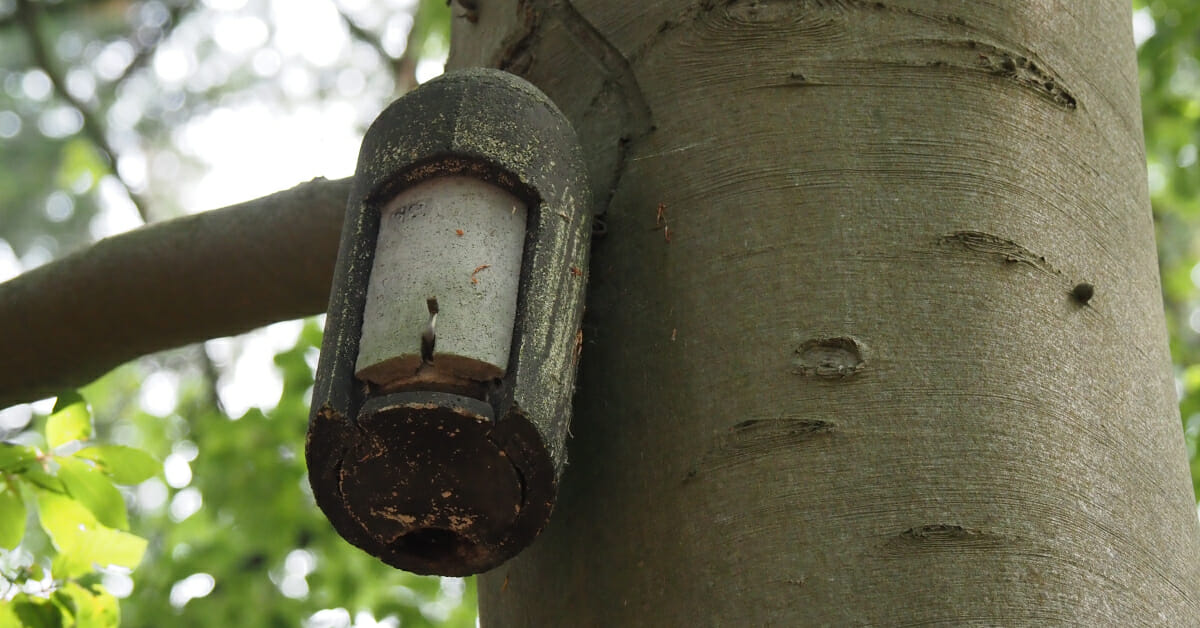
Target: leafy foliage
{"points": [[1169, 67], [247, 517], [81, 513], [108, 105]]}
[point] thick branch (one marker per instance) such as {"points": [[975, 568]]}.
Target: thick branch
{"points": [[169, 284]]}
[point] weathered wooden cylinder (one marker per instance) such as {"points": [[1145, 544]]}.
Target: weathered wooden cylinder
{"points": [[443, 395]]}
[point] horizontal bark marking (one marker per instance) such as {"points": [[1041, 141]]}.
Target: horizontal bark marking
{"points": [[942, 537], [920, 41], [987, 59], [1079, 292], [994, 245], [1025, 72], [789, 426], [850, 72], [756, 438]]}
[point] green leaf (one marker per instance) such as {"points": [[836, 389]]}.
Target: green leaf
{"points": [[14, 458], [12, 516], [125, 465], [98, 546], [8, 615], [33, 612], [86, 484], [70, 420], [38, 476], [104, 611], [81, 540], [62, 517], [91, 607], [71, 563], [66, 400]]}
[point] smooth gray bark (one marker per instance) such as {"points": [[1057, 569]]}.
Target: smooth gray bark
{"points": [[836, 369]]}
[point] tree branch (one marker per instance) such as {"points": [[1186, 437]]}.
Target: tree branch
{"points": [[146, 50], [168, 284], [50, 8], [27, 13], [404, 68]]}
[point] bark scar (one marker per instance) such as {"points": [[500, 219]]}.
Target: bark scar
{"points": [[753, 439], [994, 245], [943, 537]]}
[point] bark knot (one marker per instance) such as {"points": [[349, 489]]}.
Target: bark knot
{"points": [[828, 357]]}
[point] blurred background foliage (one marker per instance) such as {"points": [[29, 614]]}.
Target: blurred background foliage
{"points": [[118, 112], [1168, 36], [114, 113]]}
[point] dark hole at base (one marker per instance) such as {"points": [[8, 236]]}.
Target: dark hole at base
{"points": [[432, 544]]}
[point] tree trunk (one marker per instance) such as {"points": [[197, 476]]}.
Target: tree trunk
{"points": [[875, 333]]}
